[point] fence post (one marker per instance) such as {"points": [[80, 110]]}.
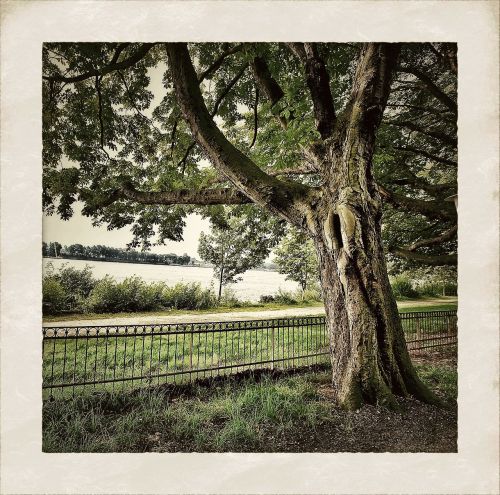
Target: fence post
{"points": [[448, 321], [272, 347], [191, 348], [419, 329]]}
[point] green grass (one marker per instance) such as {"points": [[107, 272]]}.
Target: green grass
{"points": [[191, 355], [441, 378], [251, 414], [246, 416], [430, 307]]}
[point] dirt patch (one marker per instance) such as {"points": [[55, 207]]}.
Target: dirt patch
{"points": [[418, 428]]}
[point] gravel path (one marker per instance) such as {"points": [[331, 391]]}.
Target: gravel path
{"points": [[187, 318], [207, 317]]}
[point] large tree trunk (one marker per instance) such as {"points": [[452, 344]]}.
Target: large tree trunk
{"points": [[369, 356]]}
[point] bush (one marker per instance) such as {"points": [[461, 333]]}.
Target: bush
{"points": [[230, 300], [402, 287], [285, 297], [437, 289], [312, 294], [77, 285], [433, 281], [139, 296], [77, 282], [267, 299], [133, 294], [53, 295], [430, 289], [106, 297], [188, 296]]}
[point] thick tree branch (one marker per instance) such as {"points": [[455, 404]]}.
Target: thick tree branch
{"points": [[431, 156], [219, 61], [318, 82], [372, 83], [303, 170], [432, 87], [286, 199], [441, 136], [118, 51], [430, 209], [266, 81], [445, 236], [112, 66], [427, 259], [204, 75], [214, 111], [203, 197], [269, 86]]}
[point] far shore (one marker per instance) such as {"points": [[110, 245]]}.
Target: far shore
{"points": [[73, 258]]}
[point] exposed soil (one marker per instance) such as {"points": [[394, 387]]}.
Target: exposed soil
{"points": [[418, 428]]}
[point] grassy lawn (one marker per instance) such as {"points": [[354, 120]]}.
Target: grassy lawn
{"points": [[434, 304], [178, 353], [266, 412]]}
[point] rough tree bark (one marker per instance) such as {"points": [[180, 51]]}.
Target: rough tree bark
{"points": [[368, 351]]}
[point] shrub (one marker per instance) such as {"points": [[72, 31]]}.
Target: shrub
{"points": [[75, 281], [132, 292], [105, 297], [267, 299], [54, 296], [77, 285], [230, 300], [402, 287], [285, 297], [430, 289], [312, 293], [151, 296], [437, 289], [188, 296]]}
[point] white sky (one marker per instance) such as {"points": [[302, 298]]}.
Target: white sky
{"points": [[79, 230]]}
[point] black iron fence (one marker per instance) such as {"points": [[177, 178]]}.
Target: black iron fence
{"points": [[122, 357]]}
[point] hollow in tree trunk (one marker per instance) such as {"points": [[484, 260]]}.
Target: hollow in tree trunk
{"points": [[370, 361]]}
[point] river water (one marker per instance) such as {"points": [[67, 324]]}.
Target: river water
{"points": [[255, 283]]}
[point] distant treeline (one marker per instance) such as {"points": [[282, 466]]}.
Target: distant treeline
{"points": [[106, 253]]}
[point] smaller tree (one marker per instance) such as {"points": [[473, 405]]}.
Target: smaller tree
{"points": [[296, 258], [233, 247]]}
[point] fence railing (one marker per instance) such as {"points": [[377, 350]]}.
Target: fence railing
{"points": [[121, 357]]}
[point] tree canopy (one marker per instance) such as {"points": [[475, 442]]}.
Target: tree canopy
{"points": [[115, 139]]}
